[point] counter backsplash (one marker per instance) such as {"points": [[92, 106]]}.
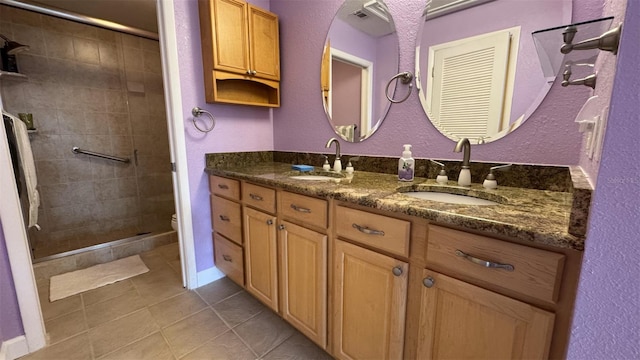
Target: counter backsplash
{"points": [[540, 177]]}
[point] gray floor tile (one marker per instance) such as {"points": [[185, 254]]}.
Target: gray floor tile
{"points": [[218, 290], [264, 332], [66, 326], [152, 347], [113, 308], [297, 347], [187, 334], [177, 308], [238, 308], [76, 348], [115, 334], [226, 346]]}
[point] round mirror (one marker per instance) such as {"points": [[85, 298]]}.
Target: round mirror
{"points": [[360, 56], [477, 70]]}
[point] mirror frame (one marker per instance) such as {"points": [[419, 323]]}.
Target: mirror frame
{"points": [[377, 101], [534, 102]]}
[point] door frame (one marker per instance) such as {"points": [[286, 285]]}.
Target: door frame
{"points": [[10, 210]]}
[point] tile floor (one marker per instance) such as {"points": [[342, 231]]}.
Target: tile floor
{"points": [[151, 316]]}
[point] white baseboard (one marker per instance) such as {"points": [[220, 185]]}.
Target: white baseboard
{"points": [[208, 276], [14, 348]]}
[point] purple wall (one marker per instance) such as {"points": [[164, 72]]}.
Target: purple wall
{"points": [[238, 128], [10, 320], [499, 15], [606, 323], [549, 137]]}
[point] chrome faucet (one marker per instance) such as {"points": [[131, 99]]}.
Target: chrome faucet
{"points": [[337, 164], [464, 179]]}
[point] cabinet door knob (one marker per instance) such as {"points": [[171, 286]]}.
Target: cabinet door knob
{"points": [[397, 271], [281, 227], [249, 72], [253, 72], [428, 281], [269, 222]]}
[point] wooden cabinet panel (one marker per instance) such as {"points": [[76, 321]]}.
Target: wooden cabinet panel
{"points": [[226, 218], [228, 258], [224, 187], [536, 272], [231, 41], [264, 43], [304, 208], [259, 197], [369, 304], [381, 232], [261, 256], [462, 321], [303, 280]]}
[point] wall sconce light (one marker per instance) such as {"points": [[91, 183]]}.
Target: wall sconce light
{"points": [[12, 47]]}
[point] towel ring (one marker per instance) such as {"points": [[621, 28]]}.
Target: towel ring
{"points": [[406, 78], [196, 111]]}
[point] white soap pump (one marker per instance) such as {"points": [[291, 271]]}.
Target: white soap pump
{"points": [[442, 177]]}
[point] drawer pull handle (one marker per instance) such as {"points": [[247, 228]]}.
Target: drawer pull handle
{"points": [[428, 282], [255, 197], [227, 258], [397, 271], [485, 263], [223, 186], [300, 209], [224, 218], [368, 231]]}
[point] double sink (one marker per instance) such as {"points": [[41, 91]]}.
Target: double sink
{"points": [[432, 193]]}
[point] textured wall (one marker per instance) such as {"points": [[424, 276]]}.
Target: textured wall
{"points": [[548, 137], [10, 321], [238, 128], [606, 323]]}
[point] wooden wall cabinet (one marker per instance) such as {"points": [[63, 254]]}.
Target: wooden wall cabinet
{"points": [[240, 53]]}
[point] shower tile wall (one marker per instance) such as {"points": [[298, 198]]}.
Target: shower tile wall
{"points": [[99, 90]]}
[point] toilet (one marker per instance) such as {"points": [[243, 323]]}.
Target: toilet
{"points": [[174, 222]]}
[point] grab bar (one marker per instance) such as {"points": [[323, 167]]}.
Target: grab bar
{"points": [[77, 150]]}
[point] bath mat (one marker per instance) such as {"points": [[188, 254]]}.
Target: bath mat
{"points": [[75, 282]]}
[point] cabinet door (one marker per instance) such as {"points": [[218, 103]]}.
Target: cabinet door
{"points": [[261, 256], [370, 292], [303, 279], [231, 41], [264, 43], [462, 321]]}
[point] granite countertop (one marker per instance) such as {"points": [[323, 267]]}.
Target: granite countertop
{"points": [[528, 215]]}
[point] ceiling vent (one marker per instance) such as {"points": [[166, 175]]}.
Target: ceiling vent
{"points": [[375, 9]]}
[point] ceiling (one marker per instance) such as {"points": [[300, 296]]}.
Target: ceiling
{"points": [[139, 14]]}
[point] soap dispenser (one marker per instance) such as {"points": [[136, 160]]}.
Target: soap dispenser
{"points": [[326, 166], [406, 165]]}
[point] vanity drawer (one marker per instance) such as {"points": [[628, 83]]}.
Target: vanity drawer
{"points": [[228, 188], [535, 273], [226, 217], [228, 258], [382, 232], [304, 208], [259, 197]]}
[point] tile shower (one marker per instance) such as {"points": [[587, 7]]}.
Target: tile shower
{"points": [[102, 91]]}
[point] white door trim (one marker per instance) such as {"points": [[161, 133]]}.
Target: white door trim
{"points": [[177, 143], [18, 251]]}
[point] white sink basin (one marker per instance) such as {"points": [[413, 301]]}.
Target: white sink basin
{"points": [[314, 178], [449, 198]]}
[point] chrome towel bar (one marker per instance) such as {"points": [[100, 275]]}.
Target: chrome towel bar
{"points": [[77, 150]]}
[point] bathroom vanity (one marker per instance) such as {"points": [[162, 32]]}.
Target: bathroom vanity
{"points": [[366, 271]]}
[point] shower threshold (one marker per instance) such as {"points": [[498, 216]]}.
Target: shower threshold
{"points": [[115, 243]]}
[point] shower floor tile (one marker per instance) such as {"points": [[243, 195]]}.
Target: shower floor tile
{"points": [[158, 319]]}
